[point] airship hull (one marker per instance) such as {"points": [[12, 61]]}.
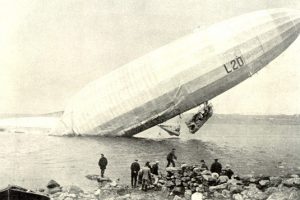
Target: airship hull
{"points": [[180, 75]]}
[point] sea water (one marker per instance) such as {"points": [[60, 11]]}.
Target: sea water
{"points": [[32, 158]]}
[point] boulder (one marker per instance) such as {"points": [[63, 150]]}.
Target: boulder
{"points": [[223, 179], [246, 178], [235, 189], [226, 194], [121, 191], [218, 195], [206, 172], [264, 183], [170, 184], [187, 194], [178, 190], [275, 181], [285, 195], [178, 182], [177, 198], [206, 177], [197, 196], [237, 197], [113, 184], [294, 176], [291, 182], [218, 187], [271, 190], [197, 170], [52, 184]]}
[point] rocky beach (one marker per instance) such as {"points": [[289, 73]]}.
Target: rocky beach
{"points": [[185, 183]]}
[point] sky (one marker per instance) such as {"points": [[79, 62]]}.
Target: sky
{"points": [[49, 50]]}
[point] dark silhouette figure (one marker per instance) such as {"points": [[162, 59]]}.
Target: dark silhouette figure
{"points": [[171, 157], [216, 167], [135, 168], [102, 164]]}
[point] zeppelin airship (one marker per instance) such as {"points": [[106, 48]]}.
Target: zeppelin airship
{"points": [[179, 76]]}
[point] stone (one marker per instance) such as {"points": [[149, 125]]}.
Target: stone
{"points": [[68, 198], [178, 190], [264, 183], [72, 195], [177, 198], [218, 195], [197, 170], [113, 184], [285, 195], [170, 184], [253, 180], [206, 177], [187, 194], [291, 182], [271, 190], [73, 189], [178, 182], [121, 191], [237, 197], [226, 193], [275, 181], [218, 187], [246, 178], [206, 172], [124, 197], [52, 184], [294, 176], [54, 190], [97, 192], [197, 196], [234, 182], [235, 189], [223, 179]]}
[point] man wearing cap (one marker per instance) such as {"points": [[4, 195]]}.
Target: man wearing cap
{"points": [[216, 167], [203, 165], [135, 168], [146, 176], [154, 171], [171, 157], [102, 164]]}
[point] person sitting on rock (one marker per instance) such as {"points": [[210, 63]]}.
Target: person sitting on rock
{"points": [[171, 157], [146, 176], [102, 164], [216, 167], [203, 165], [227, 171]]}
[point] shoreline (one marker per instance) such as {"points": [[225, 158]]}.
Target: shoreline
{"points": [[181, 183]]}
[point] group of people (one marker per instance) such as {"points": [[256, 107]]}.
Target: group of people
{"points": [[145, 175]]}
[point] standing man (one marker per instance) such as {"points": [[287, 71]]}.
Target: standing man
{"points": [[146, 176], [135, 168], [216, 167], [102, 164], [154, 171], [171, 157]]}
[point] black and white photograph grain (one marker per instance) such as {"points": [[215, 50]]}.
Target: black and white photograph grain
{"points": [[149, 100]]}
